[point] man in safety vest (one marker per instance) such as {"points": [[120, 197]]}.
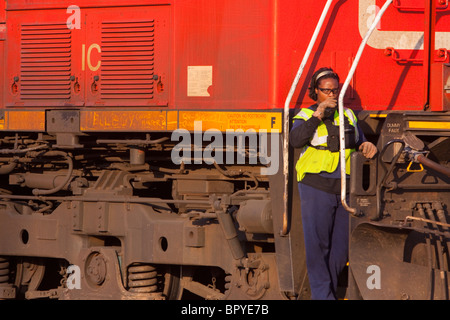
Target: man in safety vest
{"points": [[325, 221]]}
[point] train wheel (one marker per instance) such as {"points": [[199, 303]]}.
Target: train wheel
{"points": [[172, 283]]}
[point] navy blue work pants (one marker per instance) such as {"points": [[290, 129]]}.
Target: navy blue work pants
{"points": [[325, 228]]}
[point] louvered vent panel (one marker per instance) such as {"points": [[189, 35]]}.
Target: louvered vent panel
{"points": [[127, 60], [45, 67]]}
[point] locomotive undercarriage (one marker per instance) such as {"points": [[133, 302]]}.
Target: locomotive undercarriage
{"points": [[102, 217], [400, 237]]}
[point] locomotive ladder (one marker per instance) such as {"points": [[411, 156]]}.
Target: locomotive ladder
{"points": [[341, 105], [285, 229]]}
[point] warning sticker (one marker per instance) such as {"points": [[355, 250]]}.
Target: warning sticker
{"points": [[223, 120], [199, 80]]}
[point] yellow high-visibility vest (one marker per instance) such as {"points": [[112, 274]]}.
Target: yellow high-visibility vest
{"points": [[313, 160]]}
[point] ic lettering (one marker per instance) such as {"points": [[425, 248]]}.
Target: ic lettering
{"points": [[87, 57]]}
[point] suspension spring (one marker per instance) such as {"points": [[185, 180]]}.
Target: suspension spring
{"points": [[4, 270], [142, 278], [228, 280]]}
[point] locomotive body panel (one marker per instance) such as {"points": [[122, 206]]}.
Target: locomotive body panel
{"points": [[142, 146], [196, 54]]}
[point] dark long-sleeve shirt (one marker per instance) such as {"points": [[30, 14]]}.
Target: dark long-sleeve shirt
{"points": [[301, 133]]}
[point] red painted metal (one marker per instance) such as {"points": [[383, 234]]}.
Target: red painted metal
{"points": [[404, 5], [2, 47], [211, 54], [429, 44]]}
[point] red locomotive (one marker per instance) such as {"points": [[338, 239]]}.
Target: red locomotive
{"points": [[144, 156]]}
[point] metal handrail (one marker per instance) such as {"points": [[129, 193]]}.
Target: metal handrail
{"points": [[341, 105], [285, 229]]}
